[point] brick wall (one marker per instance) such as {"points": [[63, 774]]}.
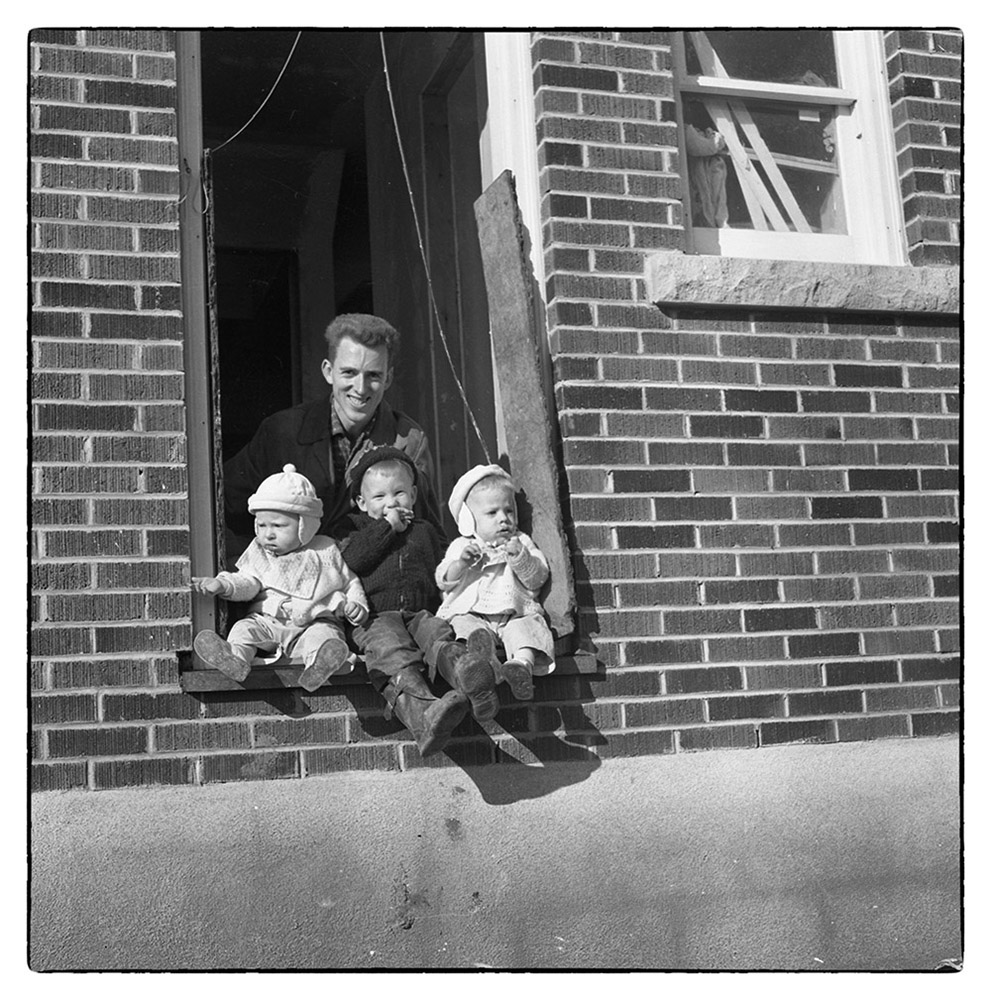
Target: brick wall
{"points": [[924, 73], [109, 538], [764, 504]]}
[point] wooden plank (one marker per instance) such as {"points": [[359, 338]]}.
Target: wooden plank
{"points": [[527, 415], [194, 679], [195, 325], [751, 131], [758, 198]]}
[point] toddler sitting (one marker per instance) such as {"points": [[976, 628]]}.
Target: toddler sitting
{"points": [[298, 584], [490, 578]]}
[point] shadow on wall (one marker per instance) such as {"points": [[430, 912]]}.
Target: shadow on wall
{"points": [[528, 742]]}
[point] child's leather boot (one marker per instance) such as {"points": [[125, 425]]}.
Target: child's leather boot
{"points": [[217, 653], [429, 719], [468, 669]]}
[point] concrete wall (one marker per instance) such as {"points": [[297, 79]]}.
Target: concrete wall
{"points": [[799, 857]]}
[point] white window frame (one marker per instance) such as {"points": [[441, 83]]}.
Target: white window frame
{"points": [[866, 160]]}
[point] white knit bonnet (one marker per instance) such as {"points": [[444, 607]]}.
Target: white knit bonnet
{"points": [[292, 493], [459, 509]]}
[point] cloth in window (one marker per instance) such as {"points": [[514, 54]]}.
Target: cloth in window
{"points": [[707, 176]]}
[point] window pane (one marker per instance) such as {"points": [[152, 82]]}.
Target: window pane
{"points": [[791, 182], [805, 57]]}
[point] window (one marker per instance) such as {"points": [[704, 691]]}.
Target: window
{"points": [[788, 141]]}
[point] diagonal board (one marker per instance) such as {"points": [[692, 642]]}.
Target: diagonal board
{"points": [[526, 416]]}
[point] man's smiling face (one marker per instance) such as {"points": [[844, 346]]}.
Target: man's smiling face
{"points": [[358, 377]]}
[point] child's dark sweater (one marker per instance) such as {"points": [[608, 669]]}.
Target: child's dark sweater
{"points": [[396, 570]]}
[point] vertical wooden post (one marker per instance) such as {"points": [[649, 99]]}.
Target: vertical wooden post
{"points": [[527, 416], [196, 340]]}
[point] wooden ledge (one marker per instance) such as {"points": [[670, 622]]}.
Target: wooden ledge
{"points": [[193, 677]]}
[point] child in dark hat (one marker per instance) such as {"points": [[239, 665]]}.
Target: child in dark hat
{"points": [[395, 554]]}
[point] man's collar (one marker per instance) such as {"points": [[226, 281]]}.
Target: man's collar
{"points": [[337, 425]]}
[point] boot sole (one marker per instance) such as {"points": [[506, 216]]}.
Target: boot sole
{"points": [[477, 680], [452, 708], [329, 659], [519, 678], [216, 652]]}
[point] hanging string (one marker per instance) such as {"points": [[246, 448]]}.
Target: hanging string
{"points": [[285, 66], [423, 255]]}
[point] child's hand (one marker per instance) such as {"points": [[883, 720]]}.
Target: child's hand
{"points": [[399, 518], [471, 554], [355, 613], [514, 546], [206, 585]]}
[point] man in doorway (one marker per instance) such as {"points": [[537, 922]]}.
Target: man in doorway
{"points": [[325, 438]]}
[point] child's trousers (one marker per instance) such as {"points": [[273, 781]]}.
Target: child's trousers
{"points": [[268, 634], [393, 640], [516, 632]]}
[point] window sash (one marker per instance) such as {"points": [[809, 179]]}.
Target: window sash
{"points": [[865, 160]]}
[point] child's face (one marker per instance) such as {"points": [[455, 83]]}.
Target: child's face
{"points": [[494, 509], [385, 487], [277, 532]]}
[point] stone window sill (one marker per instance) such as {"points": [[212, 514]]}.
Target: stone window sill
{"points": [[676, 279]]}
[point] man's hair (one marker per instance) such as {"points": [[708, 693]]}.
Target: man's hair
{"points": [[365, 329]]}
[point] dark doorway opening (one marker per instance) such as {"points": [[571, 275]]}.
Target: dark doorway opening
{"points": [[312, 218]]}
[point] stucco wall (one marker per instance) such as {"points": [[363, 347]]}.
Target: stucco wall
{"points": [[799, 857]]}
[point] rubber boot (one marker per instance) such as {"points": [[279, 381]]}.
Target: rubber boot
{"points": [[217, 653], [468, 669], [430, 719], [518, 674], [329, 659]]}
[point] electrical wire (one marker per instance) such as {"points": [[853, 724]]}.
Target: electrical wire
{"points": [[285, 66], [423, 254]]}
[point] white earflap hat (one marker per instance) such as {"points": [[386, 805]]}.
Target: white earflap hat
{"points": [[292, 493], [459, 509]]}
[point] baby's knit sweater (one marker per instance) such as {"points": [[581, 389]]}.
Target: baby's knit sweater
{"points": [[396, 570], [496, 584]]}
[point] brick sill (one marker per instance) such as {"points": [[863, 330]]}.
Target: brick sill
{"points": [[194, 677], [678, 279]]}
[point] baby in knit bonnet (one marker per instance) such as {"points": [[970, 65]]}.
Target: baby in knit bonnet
{"points": [[490, 577], [298, 584]]}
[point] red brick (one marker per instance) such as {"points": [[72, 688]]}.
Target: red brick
{"points": [[287, 732], [702, 679], [639, 744], [141, 772], [779, 619], [902, 641], [782, 676], [808, 731], [741, 591], [672, 712], [105, 742], [745, 707], [935, 723], [879, 727], [823, 644], [717, 738], [736, 535], [202, 736], [58, 777], [250, 766], [701, 622], [663, 651], [328, 760]]}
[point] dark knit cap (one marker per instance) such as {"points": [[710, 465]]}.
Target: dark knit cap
{"points": [[372, 457]]}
